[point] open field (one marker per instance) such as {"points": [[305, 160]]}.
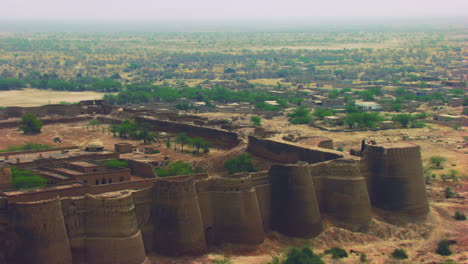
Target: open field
{"points": [[36, 97]]}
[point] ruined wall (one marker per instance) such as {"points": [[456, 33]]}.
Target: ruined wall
{"points": [[221, 137], [289, 153], [395, 177], [42, 230], [294, 206], [342, 192], [178, 226], [141, 169]]}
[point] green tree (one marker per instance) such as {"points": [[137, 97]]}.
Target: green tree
{"points": [[146, 134], [94, 123], [200, 143], [300, 115], [403, 119], [30, 124], [459, 216], [183, 140], [241, 163], [322, 113], [365, 120], [256, 120]]}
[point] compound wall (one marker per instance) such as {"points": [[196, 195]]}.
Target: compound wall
{"points": [[289, 153], [221, 137]]}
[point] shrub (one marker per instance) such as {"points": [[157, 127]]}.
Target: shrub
{"points": [[443, 248], [399, 254], [459, 216], [337, 252], [115, 164], [30, 124], [222, 261], [241, 163], [26, 179], [448, 193], [363, 257], [256, 120], [437, 161], [306, 256]]}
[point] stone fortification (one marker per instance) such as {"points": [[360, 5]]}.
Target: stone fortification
{"points": [[103, 229], [218, 136], [395, 177], [178, 226], [288, 152], [188, 214], [342, 192], [294, 205], [230, 211], [41, 227]]}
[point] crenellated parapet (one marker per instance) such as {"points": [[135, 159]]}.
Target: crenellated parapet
{"points": [[395, 177], [42, 230], [101, 227], [178, 225], [342, 191], [294, 206]]}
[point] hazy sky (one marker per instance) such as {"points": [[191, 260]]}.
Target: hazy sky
{"points": [[226, 10]]}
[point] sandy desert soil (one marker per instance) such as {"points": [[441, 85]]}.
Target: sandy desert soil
{"points": [[35, 97], [418, 239]]}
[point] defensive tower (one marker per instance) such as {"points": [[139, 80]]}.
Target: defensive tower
{"points": [[396, 179], [294, 206]]}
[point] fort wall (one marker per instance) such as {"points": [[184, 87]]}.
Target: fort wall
{"points": [[178, 224], [221, 137], [42, 230], [294, 206], [342, 192], [230, 210], [396, 178], [289, 153]]}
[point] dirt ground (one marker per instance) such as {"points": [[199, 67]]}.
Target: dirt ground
{"points": [[35, 97], [418, 239]]}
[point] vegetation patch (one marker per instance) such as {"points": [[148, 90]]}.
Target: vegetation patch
{"points": [[116, 164], [26, 146], [22, 179], [241, 163], [177, 168]]}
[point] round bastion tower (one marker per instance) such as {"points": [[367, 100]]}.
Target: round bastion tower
{"points": [[396, 180], [42, 230], [294, 205]]}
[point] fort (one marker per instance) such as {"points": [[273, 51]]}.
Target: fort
{"points": [[91, 216]]}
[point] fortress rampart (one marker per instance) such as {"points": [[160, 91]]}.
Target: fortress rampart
{"points": [[396, 179], [188, 214], [294, 205], [222, 137], [289, 153], [42, 230]]}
